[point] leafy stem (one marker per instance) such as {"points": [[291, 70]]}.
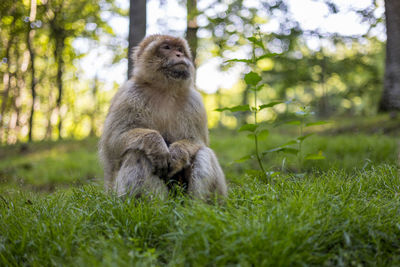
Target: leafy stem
{"points": [[255, 111]]}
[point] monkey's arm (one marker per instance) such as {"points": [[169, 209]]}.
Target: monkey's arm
{"points": [[182, 153], [149, 141]]}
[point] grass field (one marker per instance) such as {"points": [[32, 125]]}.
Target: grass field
{"points": [[344, 211]]}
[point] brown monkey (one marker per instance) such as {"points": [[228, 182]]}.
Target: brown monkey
{"points": [[156, 129]]}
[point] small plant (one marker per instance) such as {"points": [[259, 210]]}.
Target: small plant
{"points": [[253, 80], [259, 130], [295, 146]]}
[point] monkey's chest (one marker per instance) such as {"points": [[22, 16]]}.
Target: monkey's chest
{"points": [[173, 124]]}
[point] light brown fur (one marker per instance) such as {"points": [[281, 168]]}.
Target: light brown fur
{"points": [[156, 128]]}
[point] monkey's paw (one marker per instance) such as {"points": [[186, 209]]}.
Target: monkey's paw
{"points": [[179, 160], [160, 161], [158, 154]]}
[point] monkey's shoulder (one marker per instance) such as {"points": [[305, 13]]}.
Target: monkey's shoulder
{"points": [[195, 102]]}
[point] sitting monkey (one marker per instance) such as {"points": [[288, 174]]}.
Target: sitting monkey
{"points": [[156, 131]]}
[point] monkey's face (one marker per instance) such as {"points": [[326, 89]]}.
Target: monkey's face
{"points": [[164, 60], [175, 63]]}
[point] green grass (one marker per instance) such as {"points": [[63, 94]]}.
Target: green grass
{"points": [[45, 166], [344, 211], [330, 218]]}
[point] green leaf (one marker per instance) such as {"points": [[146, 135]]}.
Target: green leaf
{"points": [[291, 142], [256, 41], [245, 158], [291, 122], [276, 149], [317, 123], [289, 150], [258, 88], [273, 174], [270, 105], [267, 55], [248, 127], [235, 108], [262, 134], [301, 138], [240, 108], [239, 60], [252, 78], [318, 156], [253, 109]]}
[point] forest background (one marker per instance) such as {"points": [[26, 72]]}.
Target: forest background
{"points": [[62, 60]]}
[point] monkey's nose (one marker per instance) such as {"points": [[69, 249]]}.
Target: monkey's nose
{"points": [[178, 54]]}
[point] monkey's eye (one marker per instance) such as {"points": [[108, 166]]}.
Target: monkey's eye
{"points": [[166, 47], [180, 49]]}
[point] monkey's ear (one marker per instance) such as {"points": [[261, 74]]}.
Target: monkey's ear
{"points": [[143, 45], [135, 54]]}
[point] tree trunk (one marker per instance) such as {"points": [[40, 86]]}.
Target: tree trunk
{"points": [[17, 101], [60, 65], [30, 36], [6, 81], [323, 105], [391, 92], [137, 28], [6, 91], [191, 30]]}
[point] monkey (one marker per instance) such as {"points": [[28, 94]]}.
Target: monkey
{"points": [[155, 133]]}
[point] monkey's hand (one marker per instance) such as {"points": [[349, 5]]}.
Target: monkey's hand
{"points": [[157, 152], [151, 143], [182, 153]]}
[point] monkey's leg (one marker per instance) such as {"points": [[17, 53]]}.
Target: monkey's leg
{"points": [[207, 177], [135, 177]]}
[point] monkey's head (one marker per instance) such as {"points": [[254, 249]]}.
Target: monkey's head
{"points": [[163, 60]]}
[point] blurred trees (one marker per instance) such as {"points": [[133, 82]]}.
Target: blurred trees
{"points": [[338, 74], [45, 95], [38, 60], [391, 93]]}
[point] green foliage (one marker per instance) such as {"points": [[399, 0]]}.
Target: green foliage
{"points": [[339, 75], [252, 80], [52, 34], [304, 114], [329, 218]]}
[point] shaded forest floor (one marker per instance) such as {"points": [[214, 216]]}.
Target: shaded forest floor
{"points": [[343, 210]]}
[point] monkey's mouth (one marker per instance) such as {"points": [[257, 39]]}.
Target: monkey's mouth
{"points": [[180, 64], [178, 70]]}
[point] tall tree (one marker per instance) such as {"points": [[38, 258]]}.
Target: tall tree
{"points": [[191, 29], [8, 43], [391, 92], [29, 41], [137, 28], [65, 23]]}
